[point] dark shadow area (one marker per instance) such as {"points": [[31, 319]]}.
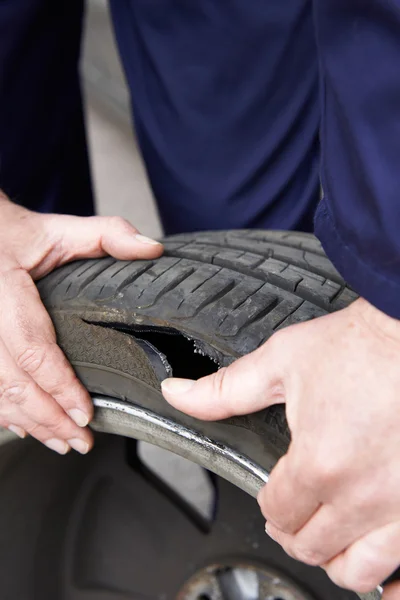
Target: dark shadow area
{"points": [[184, 357]]}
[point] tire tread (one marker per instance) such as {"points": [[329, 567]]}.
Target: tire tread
{"points": [[229, 291]]}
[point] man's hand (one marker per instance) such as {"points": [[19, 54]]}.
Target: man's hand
{"points": [[39, 392], [334, 499]]}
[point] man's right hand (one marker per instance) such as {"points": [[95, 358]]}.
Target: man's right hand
{"points": [[39, 391], [334, 499]]}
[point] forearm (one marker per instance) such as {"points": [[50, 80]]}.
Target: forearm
{"points": [[359, 220]]}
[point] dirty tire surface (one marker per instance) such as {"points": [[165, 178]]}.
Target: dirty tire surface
{"points": [[227, 291]]}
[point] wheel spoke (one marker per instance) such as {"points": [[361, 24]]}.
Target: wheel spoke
{"points": [[238, 584], [184, 483]]}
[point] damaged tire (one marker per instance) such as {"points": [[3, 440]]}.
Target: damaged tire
{"points": [[210, 299], [124, 326]]}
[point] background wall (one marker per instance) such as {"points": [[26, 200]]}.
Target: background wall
{"points": [[120, 180]]}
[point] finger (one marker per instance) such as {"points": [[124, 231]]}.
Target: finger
{"points": [[25, 405], [39, 415], [391, 592], [21, 433], [289, 500], [369, 561], [329, 531], [305, 554], [43, 435], [249, 384], [31, 341], [321, 539], [93, 237]]}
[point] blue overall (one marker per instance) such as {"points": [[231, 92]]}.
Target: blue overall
{"points": [[224, 96]]}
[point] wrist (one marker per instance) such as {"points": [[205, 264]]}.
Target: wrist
{"points": [[377, 321]]}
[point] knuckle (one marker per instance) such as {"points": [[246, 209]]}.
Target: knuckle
{"points": [[31, 359], [359, 572], [325, 470], [14, 275], [308, 556], [68, 390], [219, 382], [362, 583], [34, 430], [56, 422], [278, 338], [15, 392], [278, 350], [364, 575], [303, 472], [282, 342], [119, 223]]}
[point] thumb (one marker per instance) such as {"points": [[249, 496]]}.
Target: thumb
{"points": [[249, 384], [92, 237]]}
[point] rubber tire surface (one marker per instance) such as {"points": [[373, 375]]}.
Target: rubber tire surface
{"points": [[228, 291]]}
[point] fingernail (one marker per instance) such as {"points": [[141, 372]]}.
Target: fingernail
{"points": [[79, 445], [146, 240], [174, 385], [18, 431], [79, 417], [268, 532], [57, 445]]}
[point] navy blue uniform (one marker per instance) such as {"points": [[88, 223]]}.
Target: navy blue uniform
{"points": [[225, 99], [358, 221], [43, 159]]}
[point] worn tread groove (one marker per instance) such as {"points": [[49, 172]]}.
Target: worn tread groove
{"points": [[173, 284], [205, 281], [315, 250], [85, 270], [92, 277], [133, 277], [166, 271], [238, 306], [57, 277], [260, 315], [322, 303], [158, 277], [336, 295], [125, 282], [127, 263], [271, 254], [290, 313], [217, 296], [213, 258], [296, 285]]}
